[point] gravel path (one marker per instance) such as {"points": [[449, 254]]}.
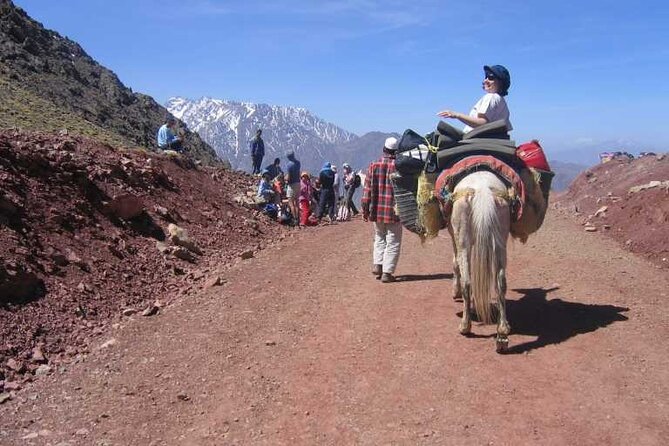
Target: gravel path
{"points": [[303, 346]]}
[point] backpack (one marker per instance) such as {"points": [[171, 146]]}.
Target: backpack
{"points": [[356, 181]]}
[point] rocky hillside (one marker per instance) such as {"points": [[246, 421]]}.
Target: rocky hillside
{"points": [[627, 200], [91, 234], [48, 82]]}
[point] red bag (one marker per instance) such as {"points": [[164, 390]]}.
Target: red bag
{"points": [[533, 155]]}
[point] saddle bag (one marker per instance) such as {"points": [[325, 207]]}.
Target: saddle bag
{"points": [[533, 155]]}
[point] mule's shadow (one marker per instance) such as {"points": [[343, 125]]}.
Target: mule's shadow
{"points": [[554, 321], [415, 277]]}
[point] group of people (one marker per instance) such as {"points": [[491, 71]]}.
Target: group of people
{"points": [[307, 200]]}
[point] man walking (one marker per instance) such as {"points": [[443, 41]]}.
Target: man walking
{"points": [[257, 151], [378, 203]]}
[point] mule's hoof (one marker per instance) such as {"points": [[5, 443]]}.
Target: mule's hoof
{"points": [[502, 344], [465, 329]]}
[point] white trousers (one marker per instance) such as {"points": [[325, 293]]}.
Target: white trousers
{"points": [[387, 241]]}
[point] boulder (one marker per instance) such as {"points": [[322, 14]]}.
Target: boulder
{"points": [[20, 288], [126, 206]]}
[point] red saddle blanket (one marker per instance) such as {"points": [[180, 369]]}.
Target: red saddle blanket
{"points": [[449, 178]]}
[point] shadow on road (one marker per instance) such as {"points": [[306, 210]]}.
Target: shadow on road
{"points": [[414, 277], [554, 321]]}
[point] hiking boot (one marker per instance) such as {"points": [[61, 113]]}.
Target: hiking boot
{"points": [[376, 270], [387, 278]]}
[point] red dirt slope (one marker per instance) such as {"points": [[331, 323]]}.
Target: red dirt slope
{"points": [[69, 265], [607, 199]]}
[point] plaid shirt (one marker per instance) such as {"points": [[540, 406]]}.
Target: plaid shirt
{"points": [[378, 200]]}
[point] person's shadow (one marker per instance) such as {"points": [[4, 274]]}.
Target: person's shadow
{"points": [[554, 321], [416, 277]]}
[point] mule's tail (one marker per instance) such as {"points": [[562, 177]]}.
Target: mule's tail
{"points": [[488, 244]]}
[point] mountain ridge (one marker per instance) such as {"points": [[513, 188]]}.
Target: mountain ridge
{"points": [[229, 125]]}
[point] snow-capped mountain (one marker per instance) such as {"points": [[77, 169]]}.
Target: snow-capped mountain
{"points": [[228, 126]]}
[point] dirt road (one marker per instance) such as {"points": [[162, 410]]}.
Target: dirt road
{"points": [[303, 346]]}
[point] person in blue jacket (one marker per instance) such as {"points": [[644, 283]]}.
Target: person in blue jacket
{"points": [[326, 200], [257, 146], [167, 138]]}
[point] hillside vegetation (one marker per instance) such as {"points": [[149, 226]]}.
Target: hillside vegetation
{"points": [[23, 109]]}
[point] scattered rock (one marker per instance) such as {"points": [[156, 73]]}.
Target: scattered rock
{"points": [[179, 237], [590, 229], [38, 356], [84, 288], [248, 254], [213, 281], [129, 311], [183, 397], [74, 259], [163, 247], [178, 271], [59, 259], [42, 370], [183, 253], [17, 366], [601, 211], [162, 211], [115, 252], [108, 344], [126, 206], [4, 397], [270, 342], [12, 385], [22, 287], [650, 185], [177, 232], [151, 310]]}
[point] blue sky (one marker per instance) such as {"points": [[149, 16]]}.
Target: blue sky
{"points": [[584, 73]]}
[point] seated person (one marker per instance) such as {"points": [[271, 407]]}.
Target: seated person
{"points": [[167, 139], [266, 193]]}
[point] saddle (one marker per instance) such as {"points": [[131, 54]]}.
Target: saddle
{"points": [[447, 155]]}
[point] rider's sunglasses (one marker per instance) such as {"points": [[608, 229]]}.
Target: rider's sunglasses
{"points": [[490, 77]]}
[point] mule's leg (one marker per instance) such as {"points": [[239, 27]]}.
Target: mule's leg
{"points": [[466, 322], [466, 289], [503, 328], [462, 247], [457, 283]]}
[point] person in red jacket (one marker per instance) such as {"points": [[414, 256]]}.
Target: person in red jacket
{"points": [[378, 202], [305, 198]]}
